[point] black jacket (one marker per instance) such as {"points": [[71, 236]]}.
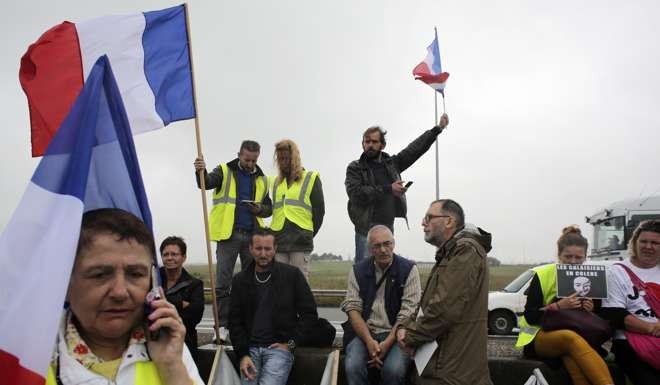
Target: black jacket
{"points": [[294, 311], [360, 184], [191, 290]]}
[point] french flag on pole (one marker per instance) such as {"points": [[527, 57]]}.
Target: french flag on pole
{"points": [[90, 163], [430, 70], [150, 57]]}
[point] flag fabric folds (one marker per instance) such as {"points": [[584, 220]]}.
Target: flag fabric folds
{"points": [[150, 58], [90, 163], [430, 70]]}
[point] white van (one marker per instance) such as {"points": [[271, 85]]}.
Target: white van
{"points": [[504, 306]]}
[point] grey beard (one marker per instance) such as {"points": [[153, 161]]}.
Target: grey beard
{"points": [[434, 239]]}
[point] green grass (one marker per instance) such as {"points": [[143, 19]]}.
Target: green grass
{"points": [[333, 276]]}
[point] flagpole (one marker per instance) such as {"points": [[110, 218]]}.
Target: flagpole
{"points": [[202, 181], [437, 155]]}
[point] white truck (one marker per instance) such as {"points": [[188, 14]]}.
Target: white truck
{"points": [[614, 224]]}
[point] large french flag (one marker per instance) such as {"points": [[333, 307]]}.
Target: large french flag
{"points": [[90, 163], [150, 58], [430, 70]]}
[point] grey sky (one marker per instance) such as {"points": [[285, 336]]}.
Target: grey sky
{"points": [[551, 104]]}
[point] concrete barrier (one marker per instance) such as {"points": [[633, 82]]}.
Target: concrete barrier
{"points": [[309, 364]]}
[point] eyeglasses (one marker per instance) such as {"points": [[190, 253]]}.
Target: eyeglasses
{"points": [[377, 246], [427, 218], [169, 254]]}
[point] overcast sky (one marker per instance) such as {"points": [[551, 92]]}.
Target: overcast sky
{"points": [[552, 106]]}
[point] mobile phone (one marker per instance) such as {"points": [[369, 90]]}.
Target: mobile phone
{"points": [[152, 295], [408, 184]]}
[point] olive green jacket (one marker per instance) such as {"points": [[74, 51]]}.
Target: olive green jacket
{"points": [[454, 312]]}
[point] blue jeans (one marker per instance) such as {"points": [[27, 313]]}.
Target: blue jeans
{"points": [[225, 253], [361, 248], [273, 366], [394, 367]]}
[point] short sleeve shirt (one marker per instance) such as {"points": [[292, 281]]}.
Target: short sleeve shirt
{"points": [[622, 294]]}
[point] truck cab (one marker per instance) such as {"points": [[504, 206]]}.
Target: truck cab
{"points": [[614, 224]]}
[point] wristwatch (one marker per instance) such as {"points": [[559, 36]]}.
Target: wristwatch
{"points": [[292, 345]]}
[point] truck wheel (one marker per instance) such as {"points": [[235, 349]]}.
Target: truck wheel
{"points": [[500, 322]]}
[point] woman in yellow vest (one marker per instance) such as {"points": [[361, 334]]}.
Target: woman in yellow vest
{"points": [[583, 363], [298, 207], [103, 337]]}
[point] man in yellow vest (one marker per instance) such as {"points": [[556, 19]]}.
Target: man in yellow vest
{"points": [[298, 207], [240, 202]]}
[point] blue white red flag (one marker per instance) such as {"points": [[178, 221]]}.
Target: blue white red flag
{"points": [[90, 163], [430, 70], [150, 58]]}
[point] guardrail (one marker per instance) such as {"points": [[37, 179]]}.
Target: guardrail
{"points": [[317, 292]]}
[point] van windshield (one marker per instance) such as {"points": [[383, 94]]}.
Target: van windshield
{"points": [[609, 234], [519, 282]]}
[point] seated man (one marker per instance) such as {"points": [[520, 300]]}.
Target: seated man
{"points": [[271, 306], [382, 290]]}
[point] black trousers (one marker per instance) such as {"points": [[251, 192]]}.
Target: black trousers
{"points": [[637, 370]]}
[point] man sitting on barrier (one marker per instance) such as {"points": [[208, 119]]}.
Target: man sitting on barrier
{"points": [[271, 308], [382, 290]]}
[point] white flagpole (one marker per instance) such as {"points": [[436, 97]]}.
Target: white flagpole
{"points": [[437, 154]]}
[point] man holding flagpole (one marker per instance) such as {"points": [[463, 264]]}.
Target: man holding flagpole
{"points": [[376, 192], [240, 202]]}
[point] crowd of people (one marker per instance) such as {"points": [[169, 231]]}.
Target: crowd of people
{"points": [[267, 309]]}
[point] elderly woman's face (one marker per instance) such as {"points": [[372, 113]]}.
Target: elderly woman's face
{"points": [[109, 282]]}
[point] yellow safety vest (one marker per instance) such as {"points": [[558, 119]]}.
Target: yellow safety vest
{"points": [[548, 278], [221, 220], [293, 202], [145, 374]]}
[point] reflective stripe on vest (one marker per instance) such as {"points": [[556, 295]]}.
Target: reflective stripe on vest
{"points": [[294, 204], [548, 279], [221, 220], [146, 373]]}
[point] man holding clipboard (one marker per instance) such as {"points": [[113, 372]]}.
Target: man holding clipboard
{"points": [[454, 307], [240, 202]]}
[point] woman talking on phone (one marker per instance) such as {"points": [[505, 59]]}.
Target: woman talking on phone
{"points": [[105, 335], [584, 365]]}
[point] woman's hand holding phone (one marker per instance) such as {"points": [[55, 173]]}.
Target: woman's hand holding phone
{"points": [[167, 350]]}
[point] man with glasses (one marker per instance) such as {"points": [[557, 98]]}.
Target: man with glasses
{"points": [[376, 193], [382, 290], [240, 202], [454, 308]]}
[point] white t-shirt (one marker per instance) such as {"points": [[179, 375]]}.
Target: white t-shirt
{"points": [[621, 293]]}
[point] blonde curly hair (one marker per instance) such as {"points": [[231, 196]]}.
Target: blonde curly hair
{"points": [[296, 169]]}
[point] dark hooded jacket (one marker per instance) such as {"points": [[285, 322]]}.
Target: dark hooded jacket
{"points": [[454, 312], [361, 186]]}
